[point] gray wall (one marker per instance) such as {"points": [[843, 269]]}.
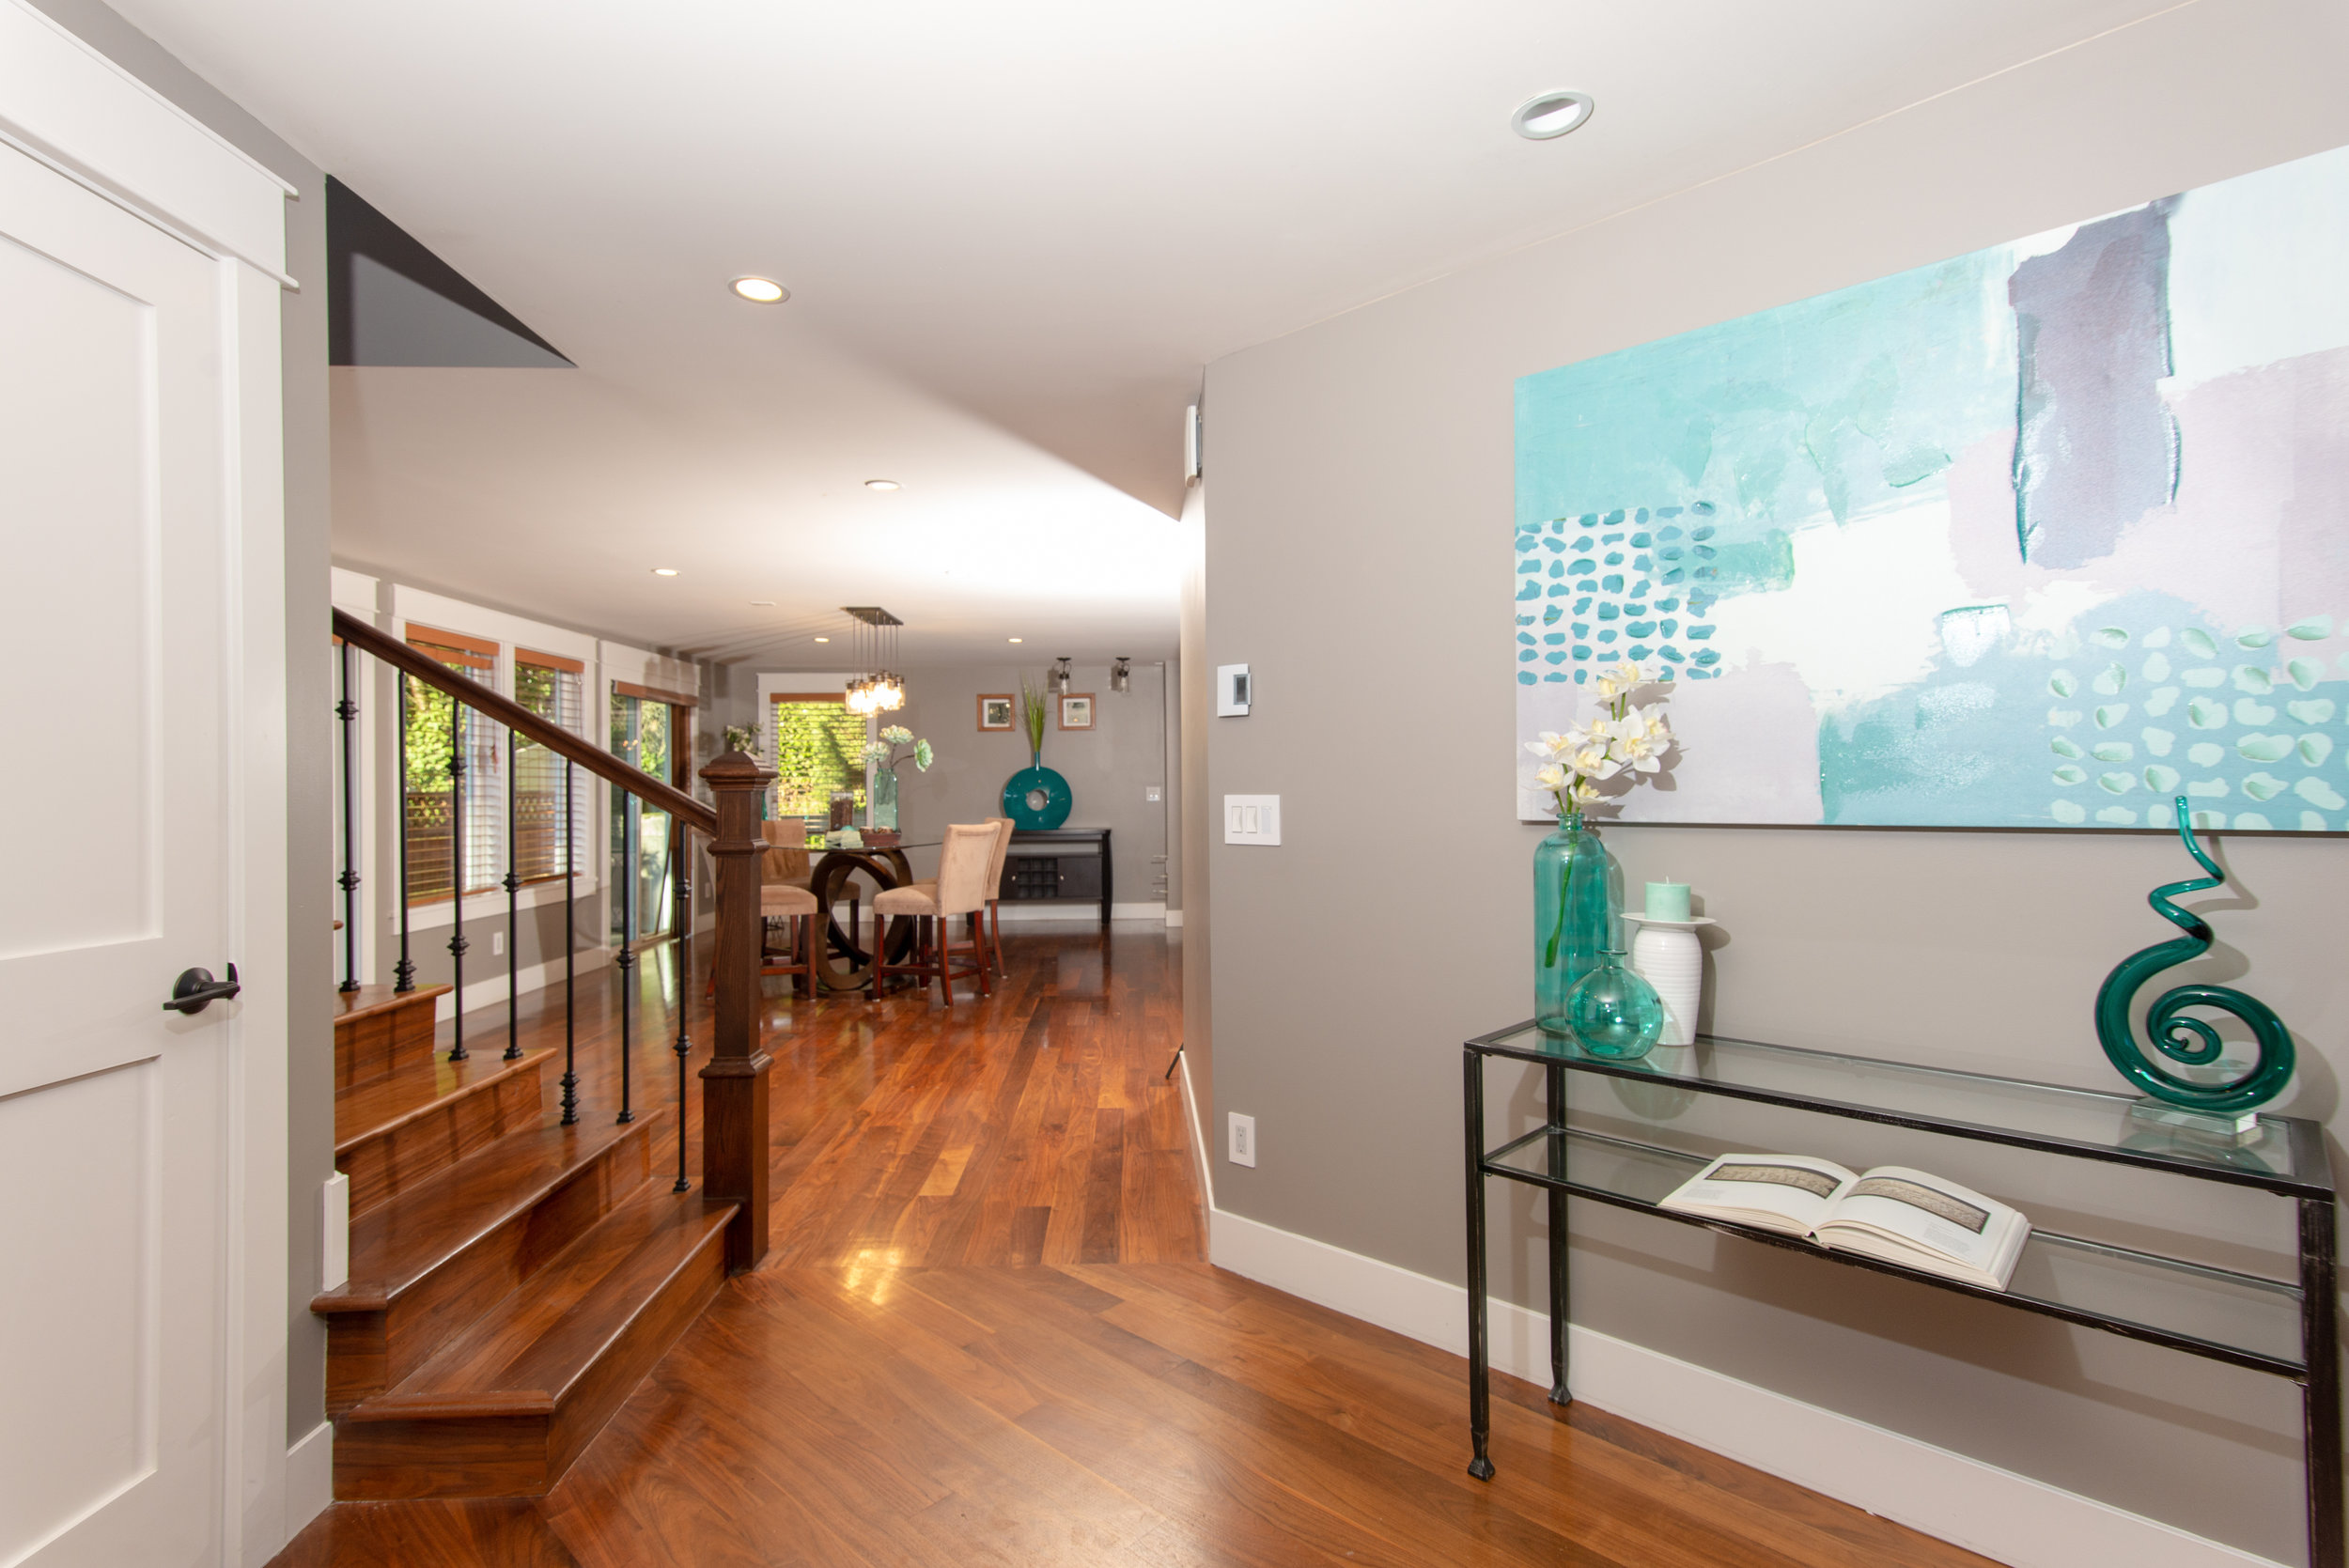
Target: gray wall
{"points": [[1350, 962], [309, 804], [1109, 767]]}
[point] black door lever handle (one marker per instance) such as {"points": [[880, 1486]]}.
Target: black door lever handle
{"points": [[195, 990]]}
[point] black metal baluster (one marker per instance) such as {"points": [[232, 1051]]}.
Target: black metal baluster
{"points": [[570, 953], [684, 988], [626, 957], [348, 711], [456, 943], [403, 972], [513, 912]]}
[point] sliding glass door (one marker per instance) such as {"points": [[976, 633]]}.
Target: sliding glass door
{"points": [[645, 733]]}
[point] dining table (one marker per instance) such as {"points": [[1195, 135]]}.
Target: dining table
{"points": [[841, 963]]}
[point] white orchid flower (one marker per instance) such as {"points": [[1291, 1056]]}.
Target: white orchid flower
{"points": [[1584, 792], [1593, 761], [1550, 776], [1550, 744]]}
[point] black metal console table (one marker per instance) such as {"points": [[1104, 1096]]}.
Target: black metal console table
{"points": [[1058, 863], [2281, 1326]]}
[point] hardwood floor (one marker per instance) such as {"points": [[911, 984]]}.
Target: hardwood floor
{"points": [[984, 1335]]}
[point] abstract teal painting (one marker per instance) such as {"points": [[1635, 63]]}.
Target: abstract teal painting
{"points": [[2042, 536]]}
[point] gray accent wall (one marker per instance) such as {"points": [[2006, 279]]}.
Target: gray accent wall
{"points": [[1357, 558], [1109, 767], [309, 698]]}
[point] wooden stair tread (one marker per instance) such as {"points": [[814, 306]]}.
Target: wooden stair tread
{"points": [[372, 1108], [529, 1353], [417, 1231], [370, 999]]}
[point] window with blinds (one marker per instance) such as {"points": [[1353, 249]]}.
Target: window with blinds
{"points": [[437, 855], [554, 688], [819, 747]]}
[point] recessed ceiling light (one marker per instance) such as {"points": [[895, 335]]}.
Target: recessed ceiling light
{"points": [[761, 291], [823, 639], [882, 485], [665, 571], [1551, 114], [1015, 639], [762, 604]]}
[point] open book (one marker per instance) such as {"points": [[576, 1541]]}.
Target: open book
{"points": [[1890, 1213]]}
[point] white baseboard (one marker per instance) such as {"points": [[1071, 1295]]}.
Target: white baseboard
{"points": [[1073, 909], [2005, 1516], [1173, 916], [534, 977], [309, 1477]]}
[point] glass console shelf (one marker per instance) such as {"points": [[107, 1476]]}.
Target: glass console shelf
{"points": [[2279, 1327]]}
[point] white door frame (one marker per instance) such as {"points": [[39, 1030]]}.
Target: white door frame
{"points": [[69, 107]]}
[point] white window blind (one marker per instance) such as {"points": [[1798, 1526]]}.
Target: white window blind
{"points": [[435, 854], [553, 688]]}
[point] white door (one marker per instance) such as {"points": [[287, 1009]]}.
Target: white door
{"points": [[118, 1120]]}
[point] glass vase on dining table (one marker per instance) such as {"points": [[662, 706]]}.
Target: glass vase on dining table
{"points": [[1578, 914], [881, 812]]}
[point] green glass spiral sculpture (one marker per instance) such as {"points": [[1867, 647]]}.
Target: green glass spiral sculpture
{"points": [[2182, 1039]]}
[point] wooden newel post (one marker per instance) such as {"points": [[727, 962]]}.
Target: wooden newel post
{"points": [[734, 1085]]}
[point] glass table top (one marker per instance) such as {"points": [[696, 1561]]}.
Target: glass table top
{"points": [[2284, 1154], [819, 844], [2232, 1316]]}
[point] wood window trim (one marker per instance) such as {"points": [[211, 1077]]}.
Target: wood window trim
{"points": [[549, 661], [654, 693], [454, 647], [808, 697]]}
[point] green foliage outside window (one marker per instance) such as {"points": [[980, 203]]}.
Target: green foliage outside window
{"points": [[819, 747]]}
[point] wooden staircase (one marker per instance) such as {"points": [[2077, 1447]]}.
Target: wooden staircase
{"points": [[511, 1279]]}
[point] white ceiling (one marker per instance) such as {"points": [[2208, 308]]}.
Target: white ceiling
{"points": [[1014, 234]]}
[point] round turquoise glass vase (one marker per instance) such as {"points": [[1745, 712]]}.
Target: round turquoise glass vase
{"points": [[1037, 798], [1614, 1012], [1578, 915]]}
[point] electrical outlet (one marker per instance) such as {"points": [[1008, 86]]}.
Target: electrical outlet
{"points": [[497, 943], [1150, 792], [1243, 1139]]}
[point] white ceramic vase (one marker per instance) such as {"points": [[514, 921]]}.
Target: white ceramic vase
{"points": [[1670, 958]]}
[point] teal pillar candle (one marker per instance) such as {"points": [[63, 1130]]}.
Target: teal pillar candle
{"points": [[1668, 901]]}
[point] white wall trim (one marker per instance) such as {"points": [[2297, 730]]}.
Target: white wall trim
{"points": [[309, 1477], [2003, 1515], [1078, 908], [1201, 1166], [533, 977], [1173, 916]]}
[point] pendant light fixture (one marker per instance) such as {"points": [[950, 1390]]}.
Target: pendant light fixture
{"points": [[1122, 676], [1058, 680], [876, 687]]}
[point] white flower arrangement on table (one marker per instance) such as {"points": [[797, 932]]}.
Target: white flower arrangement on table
{"points": [[883, 752], [1623, 738]]}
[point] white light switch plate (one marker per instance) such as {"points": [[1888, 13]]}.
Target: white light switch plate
{"points": [[1252, 819], [1149, 792]]}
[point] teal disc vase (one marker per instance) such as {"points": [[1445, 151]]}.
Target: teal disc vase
{"points": [[1614, 1012], [1037, 798], [1578, 915]]}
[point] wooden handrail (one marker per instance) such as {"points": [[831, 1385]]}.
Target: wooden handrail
{"points": [[507, 711]]}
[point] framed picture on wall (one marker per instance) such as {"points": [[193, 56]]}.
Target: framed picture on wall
{"points": [[1076, 710], [997, 710]]}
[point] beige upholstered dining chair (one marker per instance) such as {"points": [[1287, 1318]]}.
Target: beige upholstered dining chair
{"points": [[960, 890], [784, 895]]}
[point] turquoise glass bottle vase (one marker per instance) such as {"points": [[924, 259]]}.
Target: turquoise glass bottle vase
{"points": [[1614, 1012], [885, 801], [1578, 915]]}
